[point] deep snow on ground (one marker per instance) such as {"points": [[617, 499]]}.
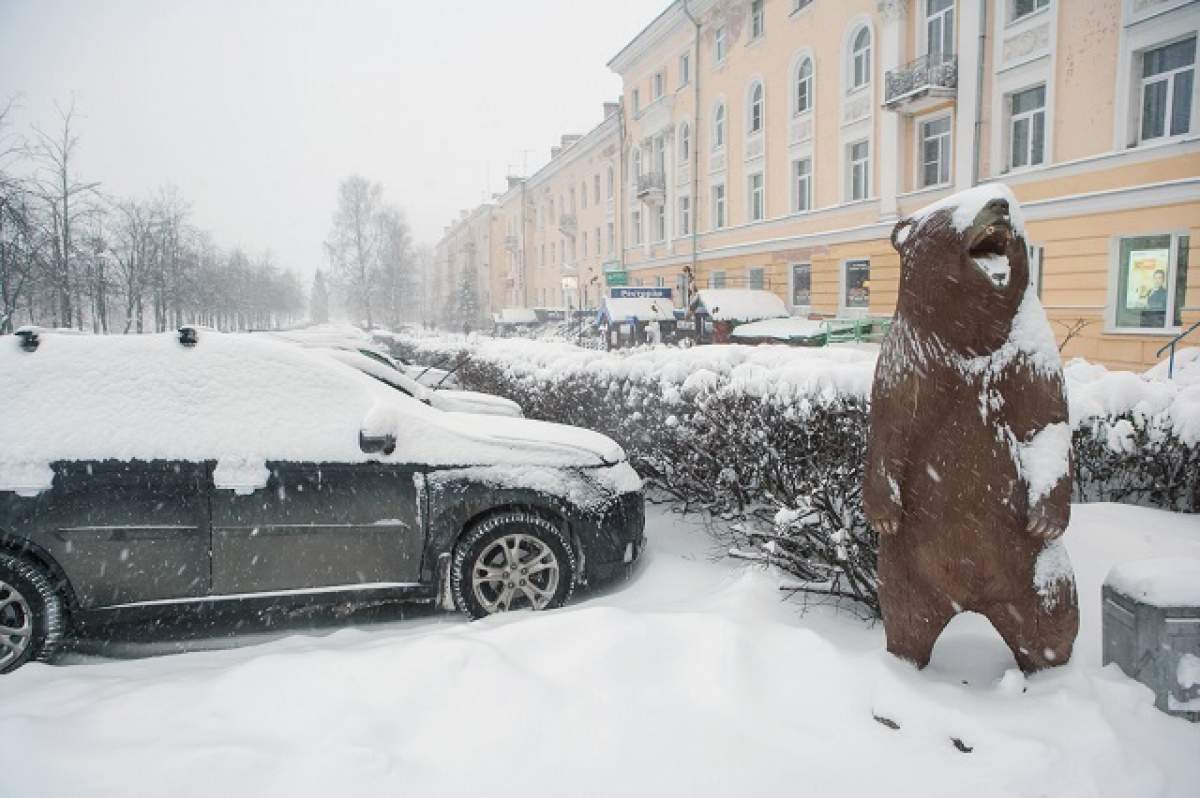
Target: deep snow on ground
{"points": [[693, 678]]}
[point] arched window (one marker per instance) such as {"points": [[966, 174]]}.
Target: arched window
{"points": [[754, 124], [719, 127], [685, 143], [804, 86], [860, 59]]}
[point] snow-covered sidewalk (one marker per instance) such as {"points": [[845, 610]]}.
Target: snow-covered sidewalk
{"points": [[695, 678]]}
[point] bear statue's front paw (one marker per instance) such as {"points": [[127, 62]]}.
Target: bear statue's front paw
{"points": [[1042, 527], [886, 522]]}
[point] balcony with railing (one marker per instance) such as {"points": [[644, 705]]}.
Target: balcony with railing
{"points": [[921, 84], [567, 224], [652, 187]]}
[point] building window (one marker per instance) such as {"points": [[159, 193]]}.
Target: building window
{"points": [[859, 168], [685, 69], [1023, 8], [1167, 77], [860, 59], [716, 279], [636, 165], [757, 20], [660, 83], [612, 238], [801, 285], [802, 184], [659, 282], [935, 152], [1027, 127], [719, 45], [660, 223], [719, 127], [804, 86], [685, 142], [596, 192], [754, 187], [610, 182], [685, 216], [1151, 282], [585, 243], [857, 279], [755, 122], [635, 226], [637, 101], [939, 29], [718, 192], [756, 278]]}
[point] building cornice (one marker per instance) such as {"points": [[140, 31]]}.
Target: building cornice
{"points": [[668, 22], [592, 140]]}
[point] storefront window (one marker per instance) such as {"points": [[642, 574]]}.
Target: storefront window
{"points": [[1151, 281], [801, 284], [858, 284]]}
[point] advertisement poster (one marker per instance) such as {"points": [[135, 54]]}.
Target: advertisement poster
{"points": [[1146, 281]]}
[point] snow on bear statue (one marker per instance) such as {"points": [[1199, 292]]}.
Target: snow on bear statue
{"points": [[968, 477]]}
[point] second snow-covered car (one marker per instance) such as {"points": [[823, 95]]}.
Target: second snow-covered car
{"points": [[141, 476]]}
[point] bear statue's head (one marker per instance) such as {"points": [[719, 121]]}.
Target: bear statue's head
{"points": [[964, 269]]}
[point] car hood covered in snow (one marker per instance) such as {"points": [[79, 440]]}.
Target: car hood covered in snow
{"points": [[241, 401]]}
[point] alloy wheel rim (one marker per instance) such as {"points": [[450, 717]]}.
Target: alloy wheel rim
{"points": [[16, 624], [515, 571]]}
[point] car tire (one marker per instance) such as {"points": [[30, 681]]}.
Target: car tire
{"points": [[512, 560], [32, 624]]}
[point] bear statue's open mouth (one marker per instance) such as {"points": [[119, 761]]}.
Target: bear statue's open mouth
{"points": [[990, 239]]}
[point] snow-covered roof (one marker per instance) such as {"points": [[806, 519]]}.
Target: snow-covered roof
{"points": [[739, 304], [515, 316], [1161, 582], [787, 329], [238, 398], [639, 308]]}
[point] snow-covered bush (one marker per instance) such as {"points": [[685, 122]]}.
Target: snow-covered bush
{"points": [[775, 436]]}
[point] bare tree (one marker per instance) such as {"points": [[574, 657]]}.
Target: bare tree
{"points": [[354, 239], [395, 264], [67, 201]]}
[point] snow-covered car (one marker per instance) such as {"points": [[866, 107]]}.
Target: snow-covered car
{"points": [[153, 475], [386, 371], [352, 339]]}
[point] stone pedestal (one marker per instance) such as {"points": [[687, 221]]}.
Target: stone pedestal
{"points": [[1151, 628]]}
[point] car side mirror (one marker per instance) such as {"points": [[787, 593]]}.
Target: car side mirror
{"points": [[375, 444]]}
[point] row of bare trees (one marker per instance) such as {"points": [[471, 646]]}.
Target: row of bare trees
{"points": [[72, 256]]}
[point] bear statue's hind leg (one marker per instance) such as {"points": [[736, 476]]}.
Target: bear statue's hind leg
{"points": [[1040, 631], [913, 621]]}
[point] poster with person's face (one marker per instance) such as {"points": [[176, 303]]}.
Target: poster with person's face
{"points": [[1147, 273]]}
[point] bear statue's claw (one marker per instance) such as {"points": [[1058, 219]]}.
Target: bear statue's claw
{"points": [[888, 526], [1045, 529]]}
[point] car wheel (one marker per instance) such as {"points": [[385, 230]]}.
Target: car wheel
{"points": [[31, 614], [514, 560]]}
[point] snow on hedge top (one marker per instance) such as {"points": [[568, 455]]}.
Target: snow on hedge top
{"points": [[1095, 392], [967, 205], [1160, 582], [243, 398], [639, 308], [739, 304]]}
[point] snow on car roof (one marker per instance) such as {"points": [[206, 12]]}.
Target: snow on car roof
{"points": [[238, 398], [739, 304], [515, 316], [639, 308], [786, 329]]}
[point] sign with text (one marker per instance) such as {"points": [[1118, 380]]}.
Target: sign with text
{"points": [[616, 278], [646, 292]]}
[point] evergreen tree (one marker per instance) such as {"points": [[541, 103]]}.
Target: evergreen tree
{"points": [[318, 305], [467, 299]]}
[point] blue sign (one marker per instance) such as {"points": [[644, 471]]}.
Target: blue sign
{"points": [[651, 292]]}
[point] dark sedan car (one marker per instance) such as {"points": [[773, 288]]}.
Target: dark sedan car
{"points": [[144, 476]]}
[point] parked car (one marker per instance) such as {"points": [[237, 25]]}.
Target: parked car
{"points": [[387, 371], [350, 338], [153, 475]]}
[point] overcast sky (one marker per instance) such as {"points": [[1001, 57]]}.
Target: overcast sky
{"points": [[256, 108]]}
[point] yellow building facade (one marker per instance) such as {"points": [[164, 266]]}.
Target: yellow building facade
{"points": [[775, 143]]}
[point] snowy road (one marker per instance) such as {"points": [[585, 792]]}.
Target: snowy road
{"points": [[692, 679]]}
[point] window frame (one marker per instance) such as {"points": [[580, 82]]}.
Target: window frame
{"points": [[1030, 116], [761, 271], [720, 45], [845, 309], [1170, 78], [713, 281], [685, 142], [758, 20], [855, 54], [1038, 7], [1112, 287], [658, 84], [684, 219], [851, 163], [756, 197], [756, 108], [807, 179], [719, 130], [808, 82], [685, 69], [943, 17], [946, 149], [792, 267], [720, 207]]}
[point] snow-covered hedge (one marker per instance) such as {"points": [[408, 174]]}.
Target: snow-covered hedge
{"points": [[779, 433]]}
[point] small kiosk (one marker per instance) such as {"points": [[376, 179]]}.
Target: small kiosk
{"points": [[513, 321], [717, 311], [633, 316]]}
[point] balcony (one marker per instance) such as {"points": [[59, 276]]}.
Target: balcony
{"points": [[921, 84], [567, 224], [652, 188]]}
